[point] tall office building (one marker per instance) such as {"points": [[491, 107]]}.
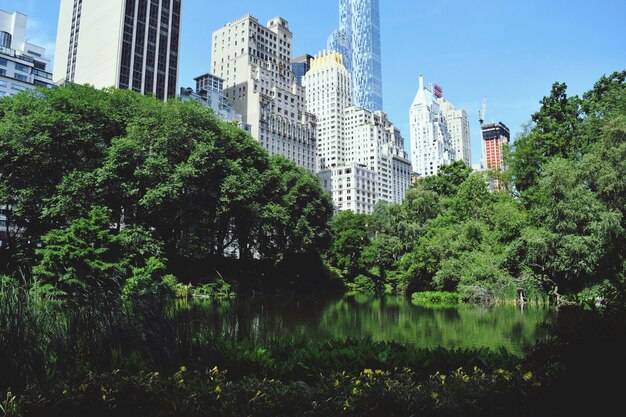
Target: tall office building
{"points": [[328, 93], [23, 66], [358, 41], [495, 137], [431, 143], [255, 63], [130, 44], [459, 129], [361, 153], [301, 66]]}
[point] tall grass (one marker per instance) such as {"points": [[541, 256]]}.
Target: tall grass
{"points": [[42, 339]]}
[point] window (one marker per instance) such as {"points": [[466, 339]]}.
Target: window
{"points": [[23, 68]]}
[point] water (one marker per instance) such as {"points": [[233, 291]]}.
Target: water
{"points": [[386, 318]]}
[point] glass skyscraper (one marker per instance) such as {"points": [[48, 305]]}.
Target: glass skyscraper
{"points": [[358, 40]]}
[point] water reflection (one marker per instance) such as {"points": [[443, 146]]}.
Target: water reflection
{"points": [[387, 318]]}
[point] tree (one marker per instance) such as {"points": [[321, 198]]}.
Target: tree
{"points": [[556, 131], [45, 135], [82, 261], [350, 234], [572, 230], [448, 179]]}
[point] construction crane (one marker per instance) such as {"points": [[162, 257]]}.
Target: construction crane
{"points": [[481, 113], [481, 119]]}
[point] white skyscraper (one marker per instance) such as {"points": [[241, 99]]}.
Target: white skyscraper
{"points": [[361, 153], [328, 93], [459, 128], [23, 66], [431, 144], [129, 44], [255, 63]]}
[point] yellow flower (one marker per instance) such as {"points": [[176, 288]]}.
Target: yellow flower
{"points": [[218, 389], [528, 376]]}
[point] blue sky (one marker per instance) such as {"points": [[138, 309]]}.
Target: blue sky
{"points": [[510, 51]]}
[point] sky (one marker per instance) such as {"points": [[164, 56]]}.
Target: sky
{"points": [[509, 51]]}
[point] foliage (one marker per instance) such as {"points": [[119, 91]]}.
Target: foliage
{"points": [[368, 392], [435, 297], [80, 262], [217, 289], [98, 182], [557, 226]]}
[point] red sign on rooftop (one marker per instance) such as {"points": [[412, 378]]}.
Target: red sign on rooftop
{"points": [[438, 90]]}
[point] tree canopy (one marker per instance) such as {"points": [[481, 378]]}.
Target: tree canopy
{"points": [[198, 186]]}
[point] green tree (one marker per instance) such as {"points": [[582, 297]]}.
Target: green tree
{"points": [[572, 231], [448, 179], [81, 261], [555, 131], [350, 235]]}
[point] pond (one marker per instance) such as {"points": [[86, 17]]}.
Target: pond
{"points": [[380, 318]]}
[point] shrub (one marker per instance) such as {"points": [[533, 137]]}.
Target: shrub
{"points": [[436, 297]]}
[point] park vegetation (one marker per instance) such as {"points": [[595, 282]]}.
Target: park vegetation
{"points": [[116, 203], [553, 224]]}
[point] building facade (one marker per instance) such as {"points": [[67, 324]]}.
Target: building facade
{"points": [[23, 66], [255, 63], [431, 143], [358, 41], [131, 44], [459, 129], [361, 155], [210, 92], [372, 141], [353, 187], [328, 93], [496, 136]]}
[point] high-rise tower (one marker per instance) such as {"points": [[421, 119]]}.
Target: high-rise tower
{"points": [[358, 41], [495, 138], [255, 63], [431, 143], [361, 156], [459, 129], [129, 44], [328, 93]]}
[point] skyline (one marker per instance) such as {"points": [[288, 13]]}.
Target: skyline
{"points": [[490, 50]]}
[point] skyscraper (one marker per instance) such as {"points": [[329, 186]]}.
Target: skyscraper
{"points": [[358, 41], [328, 93], [255, 63], [361, 157], [495, 137], [129, 44], [459, 129], [431, 143], [23, 66]]}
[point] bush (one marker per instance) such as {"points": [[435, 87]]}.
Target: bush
{"points": [[436, 297]]}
